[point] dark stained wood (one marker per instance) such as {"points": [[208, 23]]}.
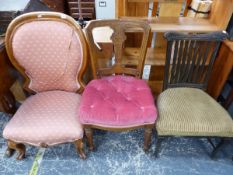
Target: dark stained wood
{"points": [[174, 61], [174, 68], [229, 100], [7, 78], [200, 70], [8, 102], [80, 9]]}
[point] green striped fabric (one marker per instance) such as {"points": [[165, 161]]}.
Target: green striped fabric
{"points": [[191, 112]]}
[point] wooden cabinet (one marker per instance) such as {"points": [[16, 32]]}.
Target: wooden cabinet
{"points": [[7, 78], [170, 15], [8, 11], [55, 5], [87, 8], [222, 68]]}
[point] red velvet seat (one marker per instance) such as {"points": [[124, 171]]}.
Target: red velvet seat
{"points": [[117, 101]]}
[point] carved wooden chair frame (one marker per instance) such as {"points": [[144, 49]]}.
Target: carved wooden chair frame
{"points": [[43, 16], [118, 37]]}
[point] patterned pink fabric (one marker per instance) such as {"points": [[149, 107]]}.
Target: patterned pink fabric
{"points": [[47, 117], [117, 101], [51, 54]]}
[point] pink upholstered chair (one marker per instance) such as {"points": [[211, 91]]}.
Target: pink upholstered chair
{"points": [[49, 50], [117, 99]]}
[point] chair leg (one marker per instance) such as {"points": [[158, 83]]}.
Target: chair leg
{"points": [[217, 147], [79, 147], [89, 134], [9, 152], [147, 136], [158, 145], [19, 147]]}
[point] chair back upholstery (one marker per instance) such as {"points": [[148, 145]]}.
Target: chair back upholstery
{"points": [[189, 58], [49, 49], [106, 40]]}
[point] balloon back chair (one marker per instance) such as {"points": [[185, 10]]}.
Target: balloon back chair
{"points": [[49, 50], [185, 109], [117, 99]]}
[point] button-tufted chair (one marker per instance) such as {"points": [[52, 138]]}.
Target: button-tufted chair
{"points": [[117, 99], [184, 108], [49, 50]]}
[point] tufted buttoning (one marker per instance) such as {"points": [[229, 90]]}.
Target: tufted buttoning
{"points": [[118, 90], [121, 101], [128, 98]]}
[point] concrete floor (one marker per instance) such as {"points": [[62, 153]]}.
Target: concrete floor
{"points": [[120, 153]]}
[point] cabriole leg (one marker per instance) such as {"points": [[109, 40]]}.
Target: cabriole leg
{"points": [[19, 147], [79, 147]]}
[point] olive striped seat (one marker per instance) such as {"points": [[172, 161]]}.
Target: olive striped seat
{"points": [[192, 112]]}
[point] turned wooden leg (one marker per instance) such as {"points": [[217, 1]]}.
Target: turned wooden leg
{"points": [[19, 147], [89, 134], [9, 152], [147, 136], [79, 147]]}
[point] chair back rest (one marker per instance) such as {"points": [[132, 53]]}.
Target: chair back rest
{"points": [[189, 58], [49, 49], [106, 40]]}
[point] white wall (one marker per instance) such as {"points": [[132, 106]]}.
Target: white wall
{"points": [[107, 12]]}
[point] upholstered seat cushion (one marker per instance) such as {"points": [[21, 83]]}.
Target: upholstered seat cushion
{"points": [[117, 101], [46, 118], [191, 112]]}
